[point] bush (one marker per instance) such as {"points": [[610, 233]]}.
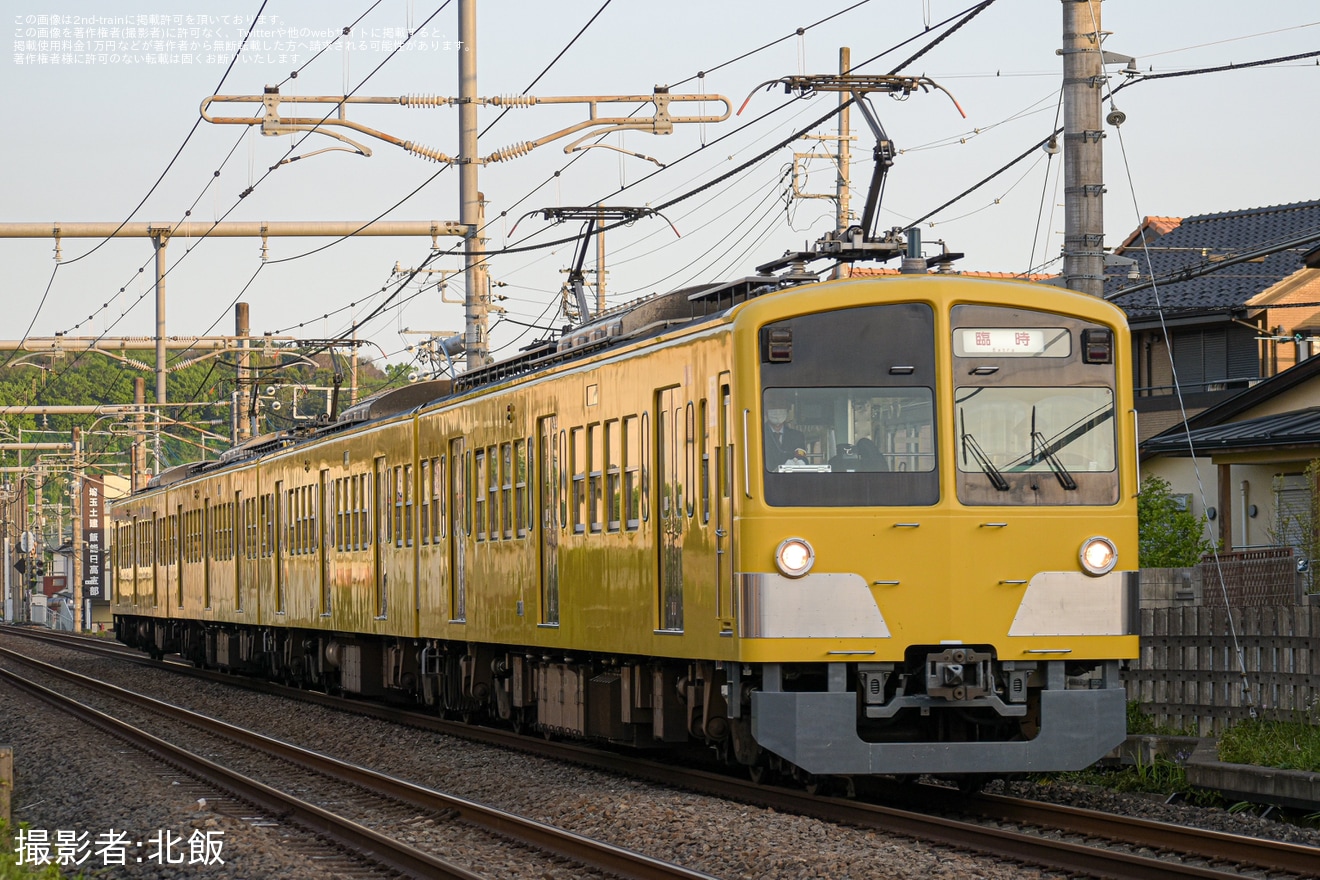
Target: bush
{"points": [[1167, 537]]}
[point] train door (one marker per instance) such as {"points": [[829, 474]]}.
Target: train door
{"points": [[277, 545], [324, 535], [458, 531], [385, 490], [206, 546], [669, 448], [726, 603], [239, 546], [548, 497], [156, 561]]}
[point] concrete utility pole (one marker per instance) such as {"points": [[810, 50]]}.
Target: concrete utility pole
{"points": [[469, 196], [242, 383], [1083, 152], [75, 557], [842, 182]]}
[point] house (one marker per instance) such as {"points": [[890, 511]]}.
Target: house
{"points": [[1229, 328], [1250, 455]]}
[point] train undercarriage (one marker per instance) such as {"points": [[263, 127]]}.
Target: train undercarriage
{"points": [[953, 712]]}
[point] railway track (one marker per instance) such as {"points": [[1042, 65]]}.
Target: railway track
{"points": [[360, 791], [1051, 836]]}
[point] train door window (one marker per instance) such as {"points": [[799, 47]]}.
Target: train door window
{"points": [[578, 465], [630, 452], [438, 498], [595, 477], [266, 522], [319, 514], [424, 501], [206, 552], [521, 478], [550, 496], [562, 467], [176, 548], [613, 476], [506, 488], [690, 457], [644, 435], [460, 528], [240, 536], [384, 504], [408, 502], [703, 453]]}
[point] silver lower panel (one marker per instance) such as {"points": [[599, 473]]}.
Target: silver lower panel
{"points": [[818, 732]]}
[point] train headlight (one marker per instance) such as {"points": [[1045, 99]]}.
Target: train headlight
{"points": [[795, 557], [1099, 555]]}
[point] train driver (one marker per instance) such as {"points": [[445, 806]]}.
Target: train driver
{"points": [[782, 443]]}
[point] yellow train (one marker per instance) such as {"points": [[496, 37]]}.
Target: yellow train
{"points": [[882, 525]]}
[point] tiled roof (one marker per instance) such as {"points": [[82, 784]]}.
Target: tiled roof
{"points": [[1298, 428], [1154, 227], [1199, 240]]}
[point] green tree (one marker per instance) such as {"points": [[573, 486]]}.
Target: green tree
{"points": [[1168, 537]]}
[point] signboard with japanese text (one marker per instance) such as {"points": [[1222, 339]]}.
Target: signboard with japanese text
{"points": [[93, 549]]}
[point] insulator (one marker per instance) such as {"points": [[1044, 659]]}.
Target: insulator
{"points": [[513, 101], [427, 152], [512, 152], [425, 100]]}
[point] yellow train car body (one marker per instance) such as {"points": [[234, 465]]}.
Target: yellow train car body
{"points": [[600, 539]]}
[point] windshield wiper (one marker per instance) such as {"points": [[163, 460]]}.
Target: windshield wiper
{"points": [[987, 467], [1065, 478]]}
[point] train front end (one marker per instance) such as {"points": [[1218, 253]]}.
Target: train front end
{"points": [[936, 545]]}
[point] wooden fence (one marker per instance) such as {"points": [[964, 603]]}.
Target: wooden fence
{"points": [[1201, 670]]}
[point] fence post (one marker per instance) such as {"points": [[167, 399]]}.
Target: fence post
{"points": [[6, 781]]}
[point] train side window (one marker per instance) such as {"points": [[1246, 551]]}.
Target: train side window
{"points": [[595, 476], [613, 476], [578, 466], [630, 450], [560, 463], [438, 489], [479, 497], [521, 480], [506, 488]]}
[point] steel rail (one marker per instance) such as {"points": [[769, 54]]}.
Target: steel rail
{"points": [[1211, 846], [362, 841], [543, 837]]}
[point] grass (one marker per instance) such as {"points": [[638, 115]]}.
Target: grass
{"points": [[1285, 745], [10, 869]]}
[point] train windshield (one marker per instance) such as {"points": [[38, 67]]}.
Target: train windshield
{"points": [[848, 446], [1033, 415]]}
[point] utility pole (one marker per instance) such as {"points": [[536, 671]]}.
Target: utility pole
{"points": [[1083, 153], [600, 260], [842, 182], [469, 196], [75, 556], [242, 383], [139, 475]]}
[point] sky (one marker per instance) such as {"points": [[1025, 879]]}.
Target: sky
{"points": [[103, 126]]}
